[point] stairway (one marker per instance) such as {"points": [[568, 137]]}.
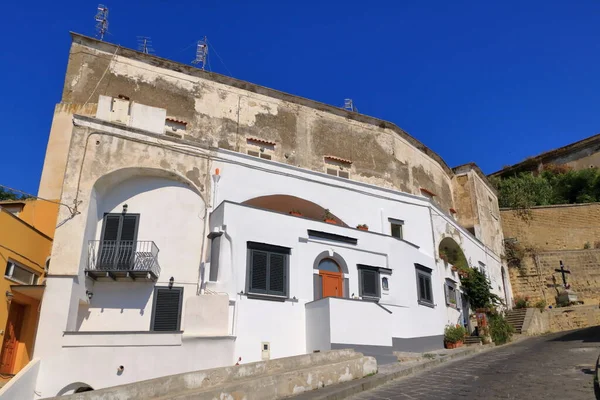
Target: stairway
{"points": [[472, 340], [516, 318]]}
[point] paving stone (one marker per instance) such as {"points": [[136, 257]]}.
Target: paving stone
{"points": [[557, 366]]}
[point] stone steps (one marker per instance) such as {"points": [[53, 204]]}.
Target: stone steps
{"points": [[472, 340], [516, 318]]}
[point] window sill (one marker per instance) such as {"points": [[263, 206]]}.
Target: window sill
{"points": [[271, 297], [426, 304]]}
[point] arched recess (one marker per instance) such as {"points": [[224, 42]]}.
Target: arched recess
{"points": [[286, 204], [450, 252]]}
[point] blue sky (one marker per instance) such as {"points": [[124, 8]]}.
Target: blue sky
{"points": [[489, 82]]}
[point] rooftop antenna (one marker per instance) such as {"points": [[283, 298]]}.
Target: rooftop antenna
{"points": [[349, 105], [101, 21], [201, 52], [145, 44]]}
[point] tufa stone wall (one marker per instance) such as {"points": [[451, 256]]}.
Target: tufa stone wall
{"points": [[551, 234], [558, 227], [563, 319], [537, 279]]}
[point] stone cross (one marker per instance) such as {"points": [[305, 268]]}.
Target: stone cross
{"points": [[563, 272]]}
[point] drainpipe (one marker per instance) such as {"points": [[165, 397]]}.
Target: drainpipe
{"points": [[207, 210]]}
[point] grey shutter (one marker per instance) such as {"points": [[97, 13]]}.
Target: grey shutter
{"points": [[258, 271], [108, 245], [370, 281], [447, 293], [428, 288], [215, 245], [129, 227], [111, 227], [346, 288], [318, 286], [166, 315], [126, 242], [277, 273]]}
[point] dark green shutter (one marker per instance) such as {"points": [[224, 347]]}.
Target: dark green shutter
{"points": [[258, 274], [277, 273], [166, 314], [370, 280]]}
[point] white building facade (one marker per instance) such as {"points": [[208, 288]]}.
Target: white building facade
{"points": [[179, 255]]}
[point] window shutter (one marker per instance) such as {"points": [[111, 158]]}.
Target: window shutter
{"points": [[277, 273], [447, 293], [129, 227], [111, 227], [318, 286], [370, 283], [258, 278], [427, 281], [167, 309]]}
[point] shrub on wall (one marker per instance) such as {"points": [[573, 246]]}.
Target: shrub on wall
{"points": [[478, 290], [521, 302], [557, 184], [500, 330]]}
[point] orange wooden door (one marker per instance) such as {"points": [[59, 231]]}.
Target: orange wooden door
{"points": [[12, 335], [332, 284]]}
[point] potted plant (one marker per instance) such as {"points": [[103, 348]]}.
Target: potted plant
{"points": [[443, 255], [363, 227], [295, 213], [454, 268], [328, 217], [454, 336]]}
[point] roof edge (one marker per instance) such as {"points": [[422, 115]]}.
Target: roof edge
{"points": [[251, 87], [474, 167]]}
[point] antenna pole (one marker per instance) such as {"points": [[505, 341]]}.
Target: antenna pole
{"points": [[201, 53], [101, 21]]}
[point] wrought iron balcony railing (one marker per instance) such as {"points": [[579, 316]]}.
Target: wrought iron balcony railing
{"points": [[116, 259]]}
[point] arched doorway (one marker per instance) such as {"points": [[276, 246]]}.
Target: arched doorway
{"points": [[332, 278]]}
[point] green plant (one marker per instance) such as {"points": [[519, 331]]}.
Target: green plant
{"points": [[454, 333], [521, 302], [363, 226], [327, 215], [429, 356], [587, 245], [540, 305], [477, 289], [500, 330]]}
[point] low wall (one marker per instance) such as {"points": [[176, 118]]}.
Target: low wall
{"points": [[263, 380], [22, 385], [562, 319]]}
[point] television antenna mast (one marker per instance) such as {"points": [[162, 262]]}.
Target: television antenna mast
{"points": [[101, 21], [145, 44], [349, 105], [201, 52]]}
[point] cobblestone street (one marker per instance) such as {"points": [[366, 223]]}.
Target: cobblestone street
{"points": [[557, 366]]}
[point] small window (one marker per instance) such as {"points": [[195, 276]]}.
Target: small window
{"points": [[451, 294], [253, 153], [396, 228], [384, 284], [20, 274], [482, 269], [369, 283], [338, 172], [424, 288], [166, 312], [268, 269]]}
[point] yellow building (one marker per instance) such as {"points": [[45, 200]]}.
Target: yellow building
{"points": [[26, 230]]}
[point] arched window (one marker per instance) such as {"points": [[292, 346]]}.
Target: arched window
{"points": [[329, 265]]}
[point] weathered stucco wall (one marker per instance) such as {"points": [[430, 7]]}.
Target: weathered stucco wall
{"points": [[225, 112], [563, 319]]}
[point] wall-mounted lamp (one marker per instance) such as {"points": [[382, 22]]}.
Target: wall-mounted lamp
{"points": [[9, 296], [171, 281], [125, 208], [217, 175], [89, 295]]}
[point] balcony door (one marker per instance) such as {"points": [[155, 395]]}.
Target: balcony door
{"points": [[118, 241], [332, 278]]}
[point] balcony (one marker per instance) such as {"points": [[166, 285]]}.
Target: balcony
{"points": [[123, 260]]}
